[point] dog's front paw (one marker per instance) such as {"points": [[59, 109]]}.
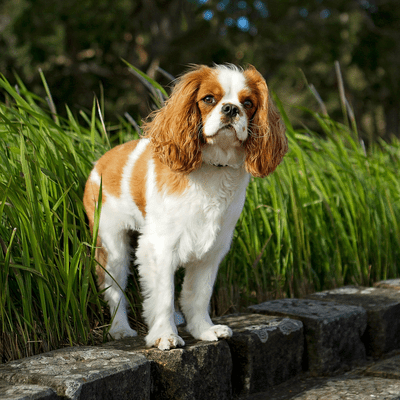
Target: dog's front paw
{"points": [[166, 342], [214, 332], [120, 332]]}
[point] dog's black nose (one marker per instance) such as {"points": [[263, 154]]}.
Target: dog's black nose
{"points": [[230, 110]]}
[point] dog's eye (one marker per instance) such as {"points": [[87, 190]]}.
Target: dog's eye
{"points": [[209, 99], [247, 104]]}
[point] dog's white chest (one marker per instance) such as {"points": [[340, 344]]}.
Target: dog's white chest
{"points": [[192, 224], [213, 199]]}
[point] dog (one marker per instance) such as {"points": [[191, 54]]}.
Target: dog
{"points": [[182, 187]]}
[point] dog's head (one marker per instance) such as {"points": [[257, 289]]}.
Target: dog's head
{"points": [[222, 116]]}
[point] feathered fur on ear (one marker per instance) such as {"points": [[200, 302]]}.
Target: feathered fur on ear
{"points": [[175, 129], [267, 143]]}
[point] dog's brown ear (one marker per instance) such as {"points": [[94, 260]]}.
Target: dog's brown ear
{"points": [[175, 129], [267, 142]]}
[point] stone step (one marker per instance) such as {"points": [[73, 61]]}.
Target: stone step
{"points": [[389, 368], [89, 373], [375, 380], [343, 387], [266, 351], [272, 346], [332, 331], [383, 314], [200, 370], [389, 284], [12, 391]]}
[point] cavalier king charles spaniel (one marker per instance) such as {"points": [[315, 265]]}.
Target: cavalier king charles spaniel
{"points": [[182, 187]]}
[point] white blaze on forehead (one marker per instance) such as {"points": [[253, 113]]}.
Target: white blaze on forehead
{"points": [[232, 81]]}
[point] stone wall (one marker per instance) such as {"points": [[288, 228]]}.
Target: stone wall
{"points": [[273, 343]]}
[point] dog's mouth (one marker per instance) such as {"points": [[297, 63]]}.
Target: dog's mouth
{"points": [[224, 149], [226, 132], [229, 127]]}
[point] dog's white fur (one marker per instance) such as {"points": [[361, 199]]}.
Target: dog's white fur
{"points": [[185, 206]]}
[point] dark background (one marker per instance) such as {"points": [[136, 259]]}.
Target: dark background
{"points": [[79, 45]]}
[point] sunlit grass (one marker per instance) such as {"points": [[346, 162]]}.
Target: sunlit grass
{"points": [[328, 216], [48, 295]]}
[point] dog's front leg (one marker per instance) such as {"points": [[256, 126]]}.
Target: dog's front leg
{"points": [[157, 268], [195, 298]]}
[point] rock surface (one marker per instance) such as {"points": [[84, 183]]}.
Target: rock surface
{"points": [[84, 373], [343, 387], [9, 391], [332, 331], [389, 368], [266, 351], [200, 370], [264, 354], [383, 314], [389, 284]]}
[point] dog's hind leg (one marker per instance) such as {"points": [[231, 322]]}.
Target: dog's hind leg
{"points": [[116, 246]]}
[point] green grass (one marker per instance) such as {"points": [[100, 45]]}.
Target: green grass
{"points": [[48, 295], [328, 216]]}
